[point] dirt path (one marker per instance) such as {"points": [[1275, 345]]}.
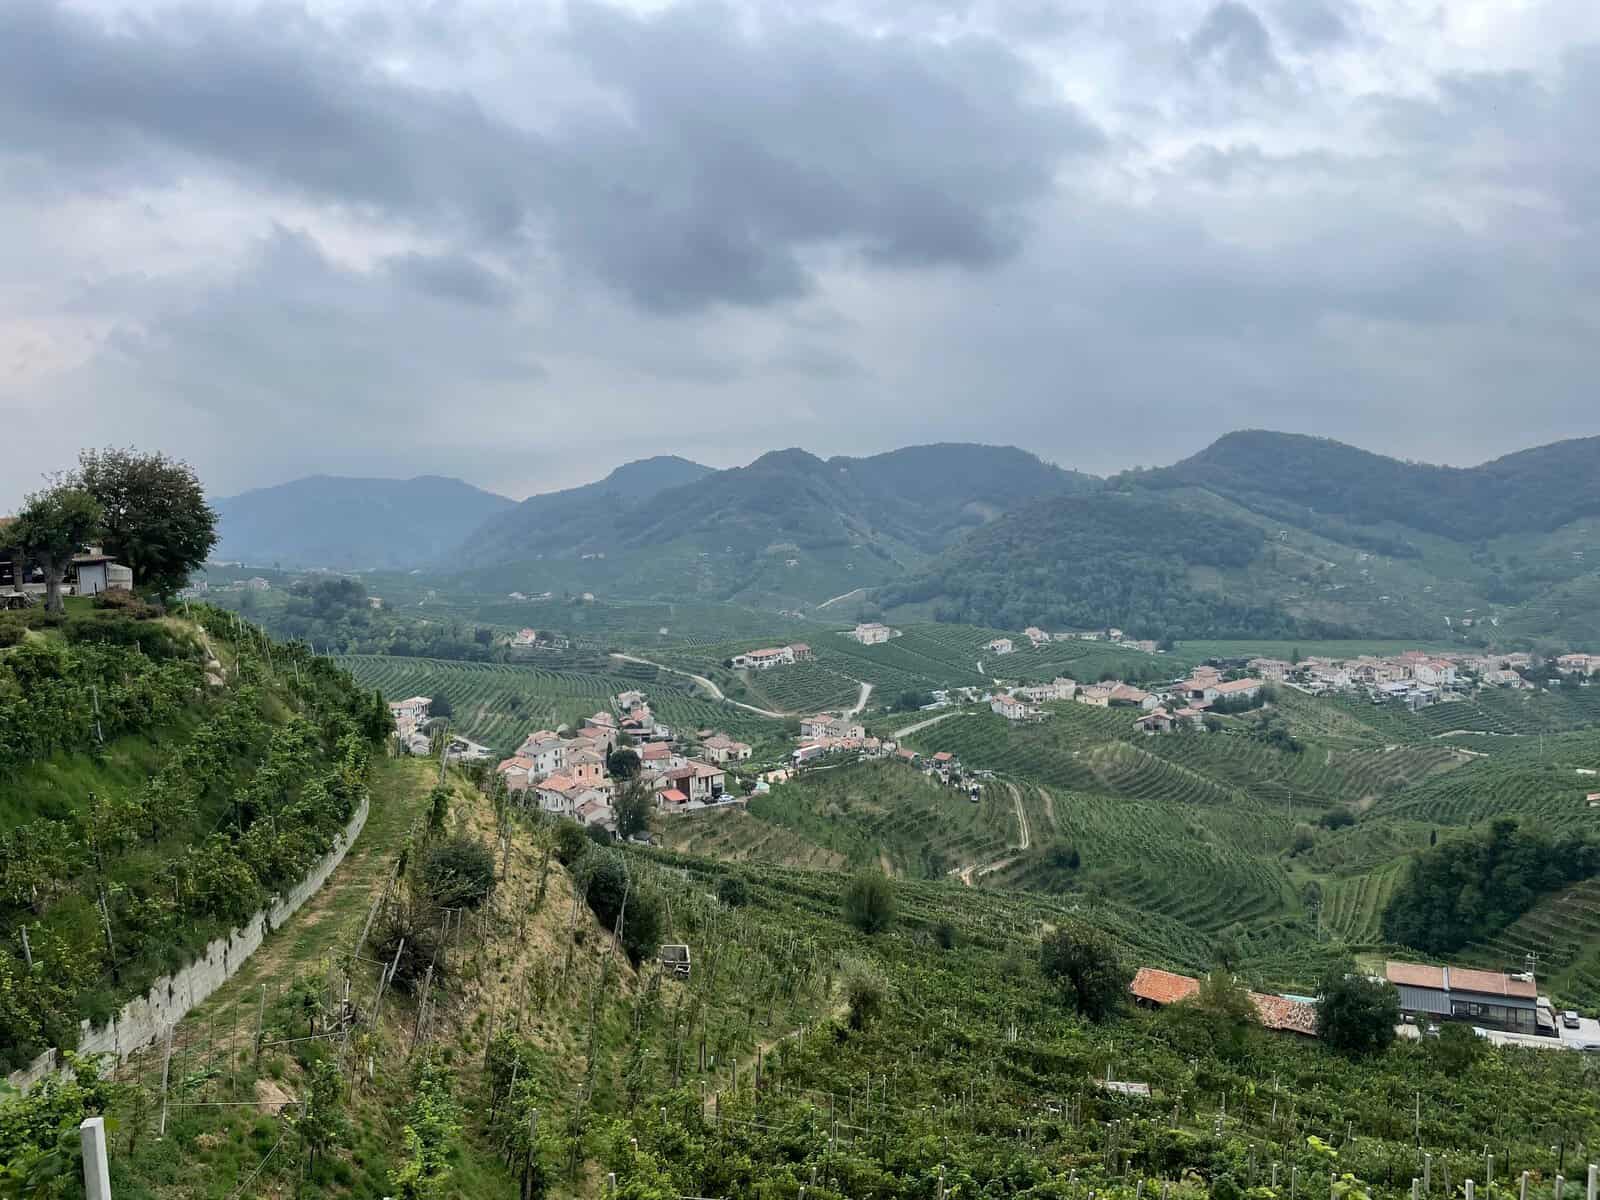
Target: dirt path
{"points": [[716, 692], [1049, 807], [1022, 817], [921, 725], [325, 924], [861, 701], [1024, 839], [844, 596]]}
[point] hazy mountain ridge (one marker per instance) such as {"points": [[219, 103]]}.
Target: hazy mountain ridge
{"points": [[352, 522]]}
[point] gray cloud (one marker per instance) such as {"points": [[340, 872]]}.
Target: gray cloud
{"points": [[522, 241], [1234, 43]]}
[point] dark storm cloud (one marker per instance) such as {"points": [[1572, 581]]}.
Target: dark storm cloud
{"points": [[1234, 43], [735, 152]]}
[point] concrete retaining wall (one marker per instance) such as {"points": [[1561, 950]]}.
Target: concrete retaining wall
{"points": [[147, 1018]]}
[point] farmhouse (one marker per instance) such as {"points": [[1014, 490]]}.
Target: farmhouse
{"points": [[761, 660], [1158, 720], [1035, 635], [1238, 689], [699, 781], [517, 771], [1059, 689], [1487, 998], [1096, 694], [1013, 709], [802, 652], [871, 633], [1000, 645], [1156, 989]]}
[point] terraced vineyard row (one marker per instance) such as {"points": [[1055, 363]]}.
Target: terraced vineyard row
{"points": [[1559, 930], [801, 688], [1493, 788], [1352, 907]]}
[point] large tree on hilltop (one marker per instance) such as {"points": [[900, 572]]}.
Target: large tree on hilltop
{"points": [[156, 519], [55, 524]]}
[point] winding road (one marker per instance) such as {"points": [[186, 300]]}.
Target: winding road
{"points": [[844, 596], [716, 692], [921, 725], [861, 701], [1024, 839]]}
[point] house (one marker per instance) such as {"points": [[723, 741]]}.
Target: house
{"points": [[1236, 690], [559, 794], [761, 660], [1578, 664], [1000, 645], [414, 710], [594, 809], [1059, 689], [547, 751], [1195, 717], [525, 637], [1486, 998], [1154, 988], [517, 771], [1011, 708], [657, 757], [907, 755], [601, 720], [871, 633], [1035, 635], [1437, 672], [1126, 693], [801, 652], [1157, 720], [722, 749], [1096, 694], [1271, 668], [628, 701], [698, 780], [808, 752], [101, 573], [946, 763], [586, 766], [672, 799], [825, 725]]}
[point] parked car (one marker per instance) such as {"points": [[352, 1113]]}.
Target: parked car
{"points": [[1570, 1019]]}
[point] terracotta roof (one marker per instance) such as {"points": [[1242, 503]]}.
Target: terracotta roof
{"points": [[1239, 685], [1163, 987], [655, 750], [1491, 983], [1277, 1012], [943, 756], [1414, 975], [515, 762], [674, 796], [558, 783]]}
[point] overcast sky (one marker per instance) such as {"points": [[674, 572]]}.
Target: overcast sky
{"points": [[522, 242]]}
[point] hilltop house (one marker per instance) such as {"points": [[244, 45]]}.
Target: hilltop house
{"points": [[1000, 645], [825, 725], [1096, 694], [1059, 689], [801, 652], [1157, 720], [761, 660], [1012, 709], [871, 633], [1035, 635]]}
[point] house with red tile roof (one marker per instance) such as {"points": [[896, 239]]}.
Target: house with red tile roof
{"points": [[1156, 988]]}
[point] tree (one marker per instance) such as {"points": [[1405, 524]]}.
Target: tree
{"points": [[570, 843], [1357, 1015], [440, 706], [869, 901], [55, 524], [633, 808], [156, 517], [323, 1126], [1457, 1048], [1087, 967], [623, 763]]}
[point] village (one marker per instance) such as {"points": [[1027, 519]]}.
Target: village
{"points": [[579, 773]]}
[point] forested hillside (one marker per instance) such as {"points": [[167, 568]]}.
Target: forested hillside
{"points": [[162, 777]]}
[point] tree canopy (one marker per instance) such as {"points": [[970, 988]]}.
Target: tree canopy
{"points": [[55, 524], [154, 518], [1087, 967], [1355, 1014]]}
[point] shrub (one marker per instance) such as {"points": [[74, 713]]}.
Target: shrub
{"points": [[1336, 818], [571, 842], [869, 901], [945, 936], [865, 990], [613, 897], [459, 873], [733, 891], [11, 632]]}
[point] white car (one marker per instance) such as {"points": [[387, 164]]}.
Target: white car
{"points": [[1570, 1019]]}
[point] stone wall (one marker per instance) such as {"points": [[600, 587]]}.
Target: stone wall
{"points": [[147, 1018]]}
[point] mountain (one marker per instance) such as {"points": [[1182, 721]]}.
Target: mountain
{"points": [[789, 528], [351, 523], [575, 516], [1268, 533]]}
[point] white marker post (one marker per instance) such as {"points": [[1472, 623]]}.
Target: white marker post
{"points": [[96, 1171]]}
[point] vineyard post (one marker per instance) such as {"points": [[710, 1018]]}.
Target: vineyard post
{"points": [[27, 950], [96, 1172], [1416, 1188], [1593, 1190], [166, 1069], [1427, 1174], [1561, 1185], [1522, 1191], [1469, 1190], [1488, 1167]]}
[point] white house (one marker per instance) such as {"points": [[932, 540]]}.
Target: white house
{"points": [[546, 751], [414, 710], [871, 633], [1000, 645], [1011, 708], [762, 660]]}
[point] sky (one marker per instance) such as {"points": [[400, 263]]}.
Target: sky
{"points": [[520, 241]]}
